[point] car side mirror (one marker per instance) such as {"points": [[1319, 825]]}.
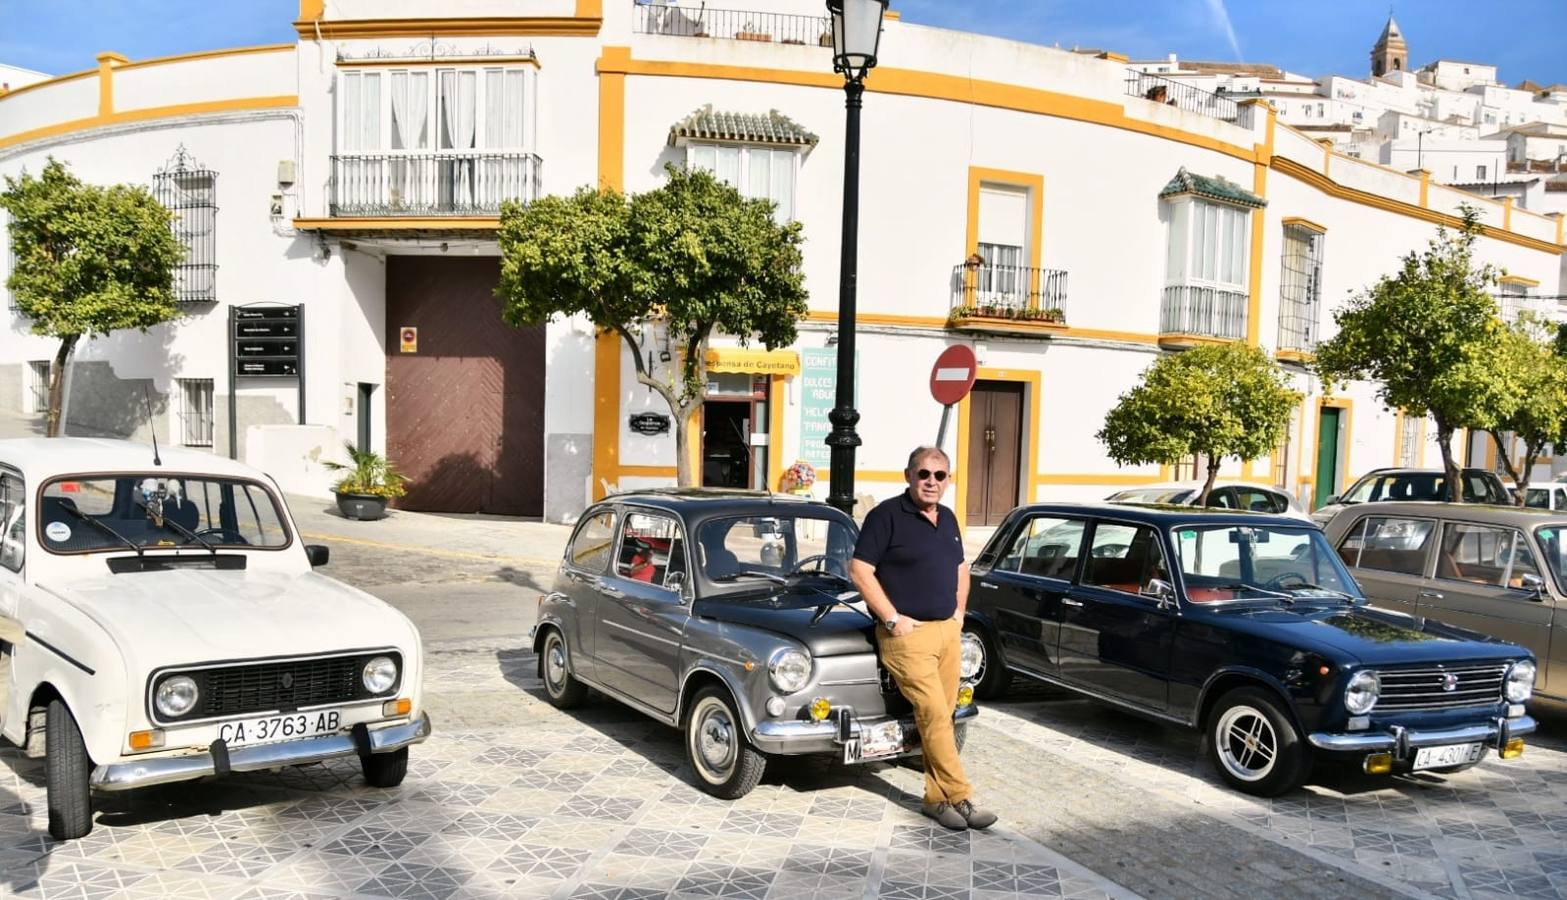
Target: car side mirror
{"points": [[319, 554], [676, 581], [1533, 585], [1160, 590], [1332, 499]]}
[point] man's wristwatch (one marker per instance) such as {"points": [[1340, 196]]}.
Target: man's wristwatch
{"points": [[891, 623]]}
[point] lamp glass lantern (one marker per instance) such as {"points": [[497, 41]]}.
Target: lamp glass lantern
{"points": [[856, 34]]}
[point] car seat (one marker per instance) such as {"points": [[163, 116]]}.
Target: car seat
{"points": [[719, 561]]}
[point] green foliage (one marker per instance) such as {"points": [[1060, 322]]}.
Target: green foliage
{"points": [[690, 258], [1427, 337], [1532, 367], [369, 473], [1217, 401], [89, 259]]}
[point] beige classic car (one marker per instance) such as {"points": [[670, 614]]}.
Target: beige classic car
{"points": [[1497, 570]]}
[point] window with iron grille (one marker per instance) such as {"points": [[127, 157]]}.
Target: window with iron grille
{"points": [[189, 191], [1300, 288], [195, 412], [38, 386]]}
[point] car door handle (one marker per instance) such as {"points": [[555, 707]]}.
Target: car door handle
{"points": [[608, 591], [988, 586], [1068, 601], [558, 597], [1430, 595]]}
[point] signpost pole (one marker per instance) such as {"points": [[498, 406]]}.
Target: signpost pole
{"points": [[300, 337], [941, 433], [233, 377]]}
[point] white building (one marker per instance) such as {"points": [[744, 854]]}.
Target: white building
{"points": [[13, 77], [355, 176]]}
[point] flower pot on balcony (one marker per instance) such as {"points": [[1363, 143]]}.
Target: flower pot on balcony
{"points": [[753, 36], [825, 40]]}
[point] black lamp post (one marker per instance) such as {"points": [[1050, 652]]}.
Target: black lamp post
{"points": [[856, 33]]}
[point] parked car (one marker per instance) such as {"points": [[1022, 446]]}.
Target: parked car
{"points": [[1229, 495], [1552, 495], [1498, 570], [160, 621], [730, 615], [1389, 485], [1244, 626]]}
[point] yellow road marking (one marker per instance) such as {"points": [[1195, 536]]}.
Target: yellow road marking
{"points": [[430, 551]]}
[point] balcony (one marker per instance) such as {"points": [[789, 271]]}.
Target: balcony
{"points": [[442, 183], [1179, 94], [1000, 298], [732, 24], [1192, 314]]}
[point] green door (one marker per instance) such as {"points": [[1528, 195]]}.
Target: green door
{"points": [[1327, 454]]}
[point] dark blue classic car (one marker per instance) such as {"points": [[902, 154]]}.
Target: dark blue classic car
{"points": [[1246, 626]]}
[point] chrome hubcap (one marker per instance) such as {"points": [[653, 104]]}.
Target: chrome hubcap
{"points": [[555, 664], [1247, 744], [714, 740]]}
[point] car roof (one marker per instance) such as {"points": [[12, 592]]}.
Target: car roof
{"points": [[43, 458], [1487, 513], [1163, 515], [1197, 485], [1417, 470], [706, 502]]}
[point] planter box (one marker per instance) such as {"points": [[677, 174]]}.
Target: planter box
{"points": [[364, 507], [1005, 325], [753, 36]]}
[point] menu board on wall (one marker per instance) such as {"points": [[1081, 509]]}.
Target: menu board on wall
{"points": [[818, 395]]}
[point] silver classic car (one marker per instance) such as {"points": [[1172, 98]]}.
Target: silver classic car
{"points": [[729, 615]]}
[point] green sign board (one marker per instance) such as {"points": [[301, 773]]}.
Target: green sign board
{"points": [[818, 395]]}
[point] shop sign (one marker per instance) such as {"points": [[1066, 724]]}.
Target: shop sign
{"points": [[818, 395], [754, 362], [408, 339], [650, 423]]}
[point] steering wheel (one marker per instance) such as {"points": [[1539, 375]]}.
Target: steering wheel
{"points": [[821, 559], [225, 535], [1110, 550], [1281, 581]]}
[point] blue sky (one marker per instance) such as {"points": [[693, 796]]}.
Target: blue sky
{"points": [[1315, 38]]}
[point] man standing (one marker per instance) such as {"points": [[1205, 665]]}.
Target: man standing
{"points": [[909, 567]]}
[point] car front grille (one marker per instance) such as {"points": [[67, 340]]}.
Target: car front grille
{"points": [[1440, 687], [281, 685]]}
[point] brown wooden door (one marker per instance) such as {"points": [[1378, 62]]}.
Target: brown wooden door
{"points": [[465, 412], [994, 450]]}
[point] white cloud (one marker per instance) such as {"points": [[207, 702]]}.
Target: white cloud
{"points": [[1222, 17]]}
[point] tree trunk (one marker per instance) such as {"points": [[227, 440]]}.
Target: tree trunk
{"points": [[1444, 437], [1213, 474], [57, 384], [1531, 453], [1507, 464], [684, 476]]}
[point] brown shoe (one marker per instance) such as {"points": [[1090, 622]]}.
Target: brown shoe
{"points": [[973, 817], [946, 815]]}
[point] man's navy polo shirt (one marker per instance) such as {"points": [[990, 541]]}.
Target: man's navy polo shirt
{"points": [[916, 562]]}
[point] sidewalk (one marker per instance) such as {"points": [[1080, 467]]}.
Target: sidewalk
{"points": [[523, 542]]}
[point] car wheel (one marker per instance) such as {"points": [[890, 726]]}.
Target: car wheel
{"points": [[993, 678], [67, 770], [726, 765], [564, 691], [1253, 744], [385, 770]]}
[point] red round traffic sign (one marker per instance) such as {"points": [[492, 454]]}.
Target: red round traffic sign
{"points": [[953, 375]]}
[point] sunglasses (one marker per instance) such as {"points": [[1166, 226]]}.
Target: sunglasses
{"points": [[924, 474]]}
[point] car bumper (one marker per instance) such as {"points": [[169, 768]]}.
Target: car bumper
{"points": [[1402, 741], [829, 735], [122, 776]]}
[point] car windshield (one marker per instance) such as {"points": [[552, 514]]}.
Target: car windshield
{"points": [[1153, 495], [1233, 562], [1553, 546], [156, 510], [750, 549], [1418, 486]]}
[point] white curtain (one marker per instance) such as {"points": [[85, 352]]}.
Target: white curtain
{"points": [[418, 110], [400, 123], [370, 106], [494, 109], [783, 184]]}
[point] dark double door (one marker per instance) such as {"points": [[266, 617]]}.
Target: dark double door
{"points": [[465, 409], [994, 451]]}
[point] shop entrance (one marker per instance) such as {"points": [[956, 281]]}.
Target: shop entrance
{"points": [[734, 431]]}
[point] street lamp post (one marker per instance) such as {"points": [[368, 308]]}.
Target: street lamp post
{"points": [[856, 33]]}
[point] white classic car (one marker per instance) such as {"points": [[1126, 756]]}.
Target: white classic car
{"points": [[160, 621]]}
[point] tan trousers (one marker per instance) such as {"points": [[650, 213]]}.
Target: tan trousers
{"points": [[925, 663]]}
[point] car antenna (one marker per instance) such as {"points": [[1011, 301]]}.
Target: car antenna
{"points": [[151, 426]]}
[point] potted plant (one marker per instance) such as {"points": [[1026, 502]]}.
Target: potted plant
{"points": [[369, 482], [746, 34]]}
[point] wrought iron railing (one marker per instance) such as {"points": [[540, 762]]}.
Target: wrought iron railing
{"points": [[991, 289], [1209, 311], [1186, 97], [1298, 326], [698, 21], [439, 183], [189, 191]]}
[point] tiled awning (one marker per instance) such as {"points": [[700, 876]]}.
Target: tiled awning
{"points": [[1214, 188], [772, 127]]}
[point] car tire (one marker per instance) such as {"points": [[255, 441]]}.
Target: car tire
{"points": [[385, 770], [725, 763], [563, 690], [67, 774], [994, 677], [1253, 744]]}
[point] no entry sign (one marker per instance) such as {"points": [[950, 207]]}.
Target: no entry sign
{"points": [[953, 375]]}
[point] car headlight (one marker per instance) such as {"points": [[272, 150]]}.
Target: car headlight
{"points": [[972, 657], [1361, 693], [379, 674], [176, 696], [790, 670], [1520, 681]]}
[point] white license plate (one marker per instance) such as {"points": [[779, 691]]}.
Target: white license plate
{"points": [[1447, 755], [874, 742], [271, 729]]}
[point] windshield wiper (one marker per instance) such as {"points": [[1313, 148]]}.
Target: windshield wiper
{"points": [[837, 600], [752, 573], [1242, 586], [104, 527], [1308, 586], [189, 535], [820, 573]]}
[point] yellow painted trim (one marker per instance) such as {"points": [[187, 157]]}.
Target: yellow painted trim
{"points": [[401, 223], [590, 9], [1421, 455], [1519, 279], [50, 82], [1327, 155], [1259, 186], [892, 15], [1110, 478], [892, 319], [648, 471], [878, 475], [106, 65], [753, 361], [1425, 188], [206, 54], [1180, 340], [606, 412], [1131, 337], [1298, 222], [1301, 173], [1398, 437], [1490, 453], [151, 112], [1114, 57], [433, 63], [1559, 220], [777, 393], [310, 10], [1507, 213], [1028, 480], [978, 176], [612, 118], [1297, 356], [491, 26]]}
